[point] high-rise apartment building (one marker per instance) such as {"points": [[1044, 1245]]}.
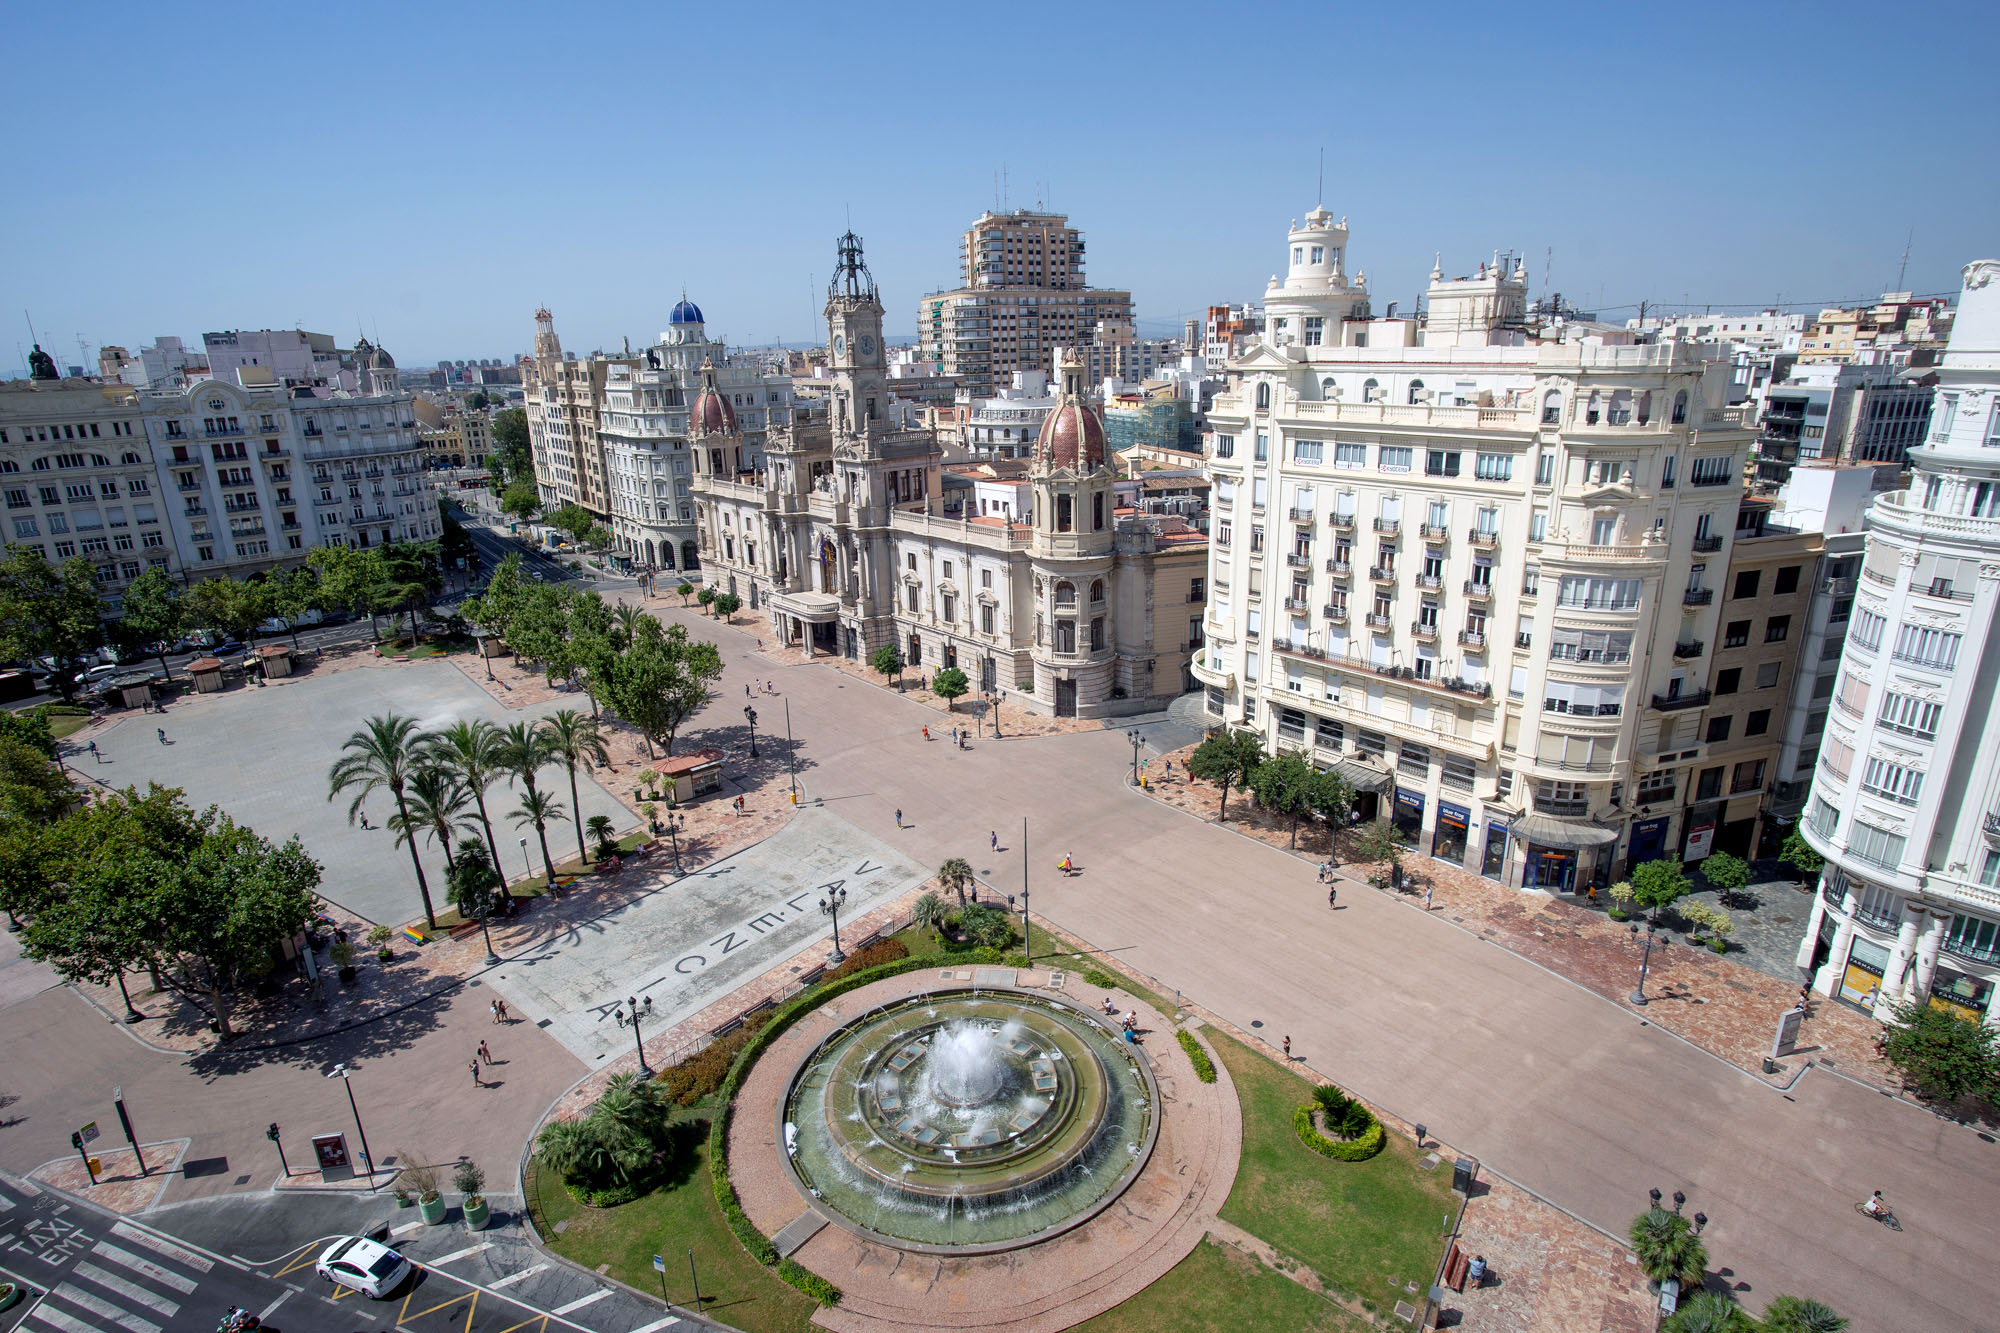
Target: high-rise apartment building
{"points": [[1836, 412], [563, 398], [1021, 296], [1471, 567], [1905, 804]]}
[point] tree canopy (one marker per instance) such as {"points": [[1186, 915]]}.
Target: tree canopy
{"points": [[1228, 757], [49, 611], [659, 682]]}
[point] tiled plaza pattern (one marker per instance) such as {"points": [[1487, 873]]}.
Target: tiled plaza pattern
{"points": [[1718, 1004], [1549, 1273], [1157, 1221], [120, 1185]]}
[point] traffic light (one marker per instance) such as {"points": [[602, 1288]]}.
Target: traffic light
{"points": [[272, 1132]]}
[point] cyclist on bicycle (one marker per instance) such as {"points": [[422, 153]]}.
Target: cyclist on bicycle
{"points": [[1875, 1205]]}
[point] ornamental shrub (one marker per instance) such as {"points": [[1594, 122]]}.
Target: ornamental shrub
{"points": [[1363, 1147], [1204, 1068]]}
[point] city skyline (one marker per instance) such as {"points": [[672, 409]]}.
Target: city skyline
{"points": [[417, 200]]}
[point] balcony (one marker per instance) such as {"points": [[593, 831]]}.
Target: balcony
{"points": [[194, 511], [1675, 703], [1337, 614], [1388, 527], [1697, 597], [1483, 541], [1430, 582], [1340, 569], [1340, 522], [1523, 639], [1477, 591], [194, 485], [1707, 545], [1381, 574], [1297, 604], [1435, 532], [1302, 515], [1376, 621], [1423, 633], [1566, 806], [1472, 638], [1478, 690], [220, 432], [1299, 649], [1298, 559], [1683, 651]]}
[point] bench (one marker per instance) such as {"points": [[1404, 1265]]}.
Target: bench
{"points": [[1455, 1264]]}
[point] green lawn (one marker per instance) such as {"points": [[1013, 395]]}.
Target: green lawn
{"points": [[1364, 1227], [1216, 1289], [67, 724], [680, 1215]]}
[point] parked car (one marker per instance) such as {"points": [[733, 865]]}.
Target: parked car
{"points": [[229, 648], [275, 625], [102, 671], [367, 1266]]}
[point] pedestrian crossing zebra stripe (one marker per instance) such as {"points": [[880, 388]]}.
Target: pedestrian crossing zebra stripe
{"points": [[160, 1245], [103, 1309], [131, 1291], [144, 1267]]}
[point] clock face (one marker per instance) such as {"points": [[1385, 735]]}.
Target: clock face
{"points": [[839, 344], [867, 345]]}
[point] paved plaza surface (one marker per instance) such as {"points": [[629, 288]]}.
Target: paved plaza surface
{"points": [[687, 942], [263, 755]]}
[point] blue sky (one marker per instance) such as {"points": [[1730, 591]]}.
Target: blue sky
{"points": [[434, 172]]}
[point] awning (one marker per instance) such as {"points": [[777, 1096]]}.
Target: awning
{"points": [[819, 608], [1361, 777], [1552, 832]]}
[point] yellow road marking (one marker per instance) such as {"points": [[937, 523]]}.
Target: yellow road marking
{"points": [[539, 1323], [472, 1296], [306, 1256]]}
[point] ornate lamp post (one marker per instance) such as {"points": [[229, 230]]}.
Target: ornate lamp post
{"points": [[831, 906], [1645, 965], [638, 1042], [751, 714], [674, 821], [1137, 739], [993, 698]]}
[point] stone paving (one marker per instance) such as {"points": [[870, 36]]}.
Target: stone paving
{"points": [[120, 1185], [1726, 1007], [1549, 1272]]}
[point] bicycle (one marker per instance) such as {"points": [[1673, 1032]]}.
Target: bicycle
{"points": [[1886, 1217]]}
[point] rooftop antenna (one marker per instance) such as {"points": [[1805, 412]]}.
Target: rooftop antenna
{"points": [[33, 337], [1006, 191], [1904, 267]]}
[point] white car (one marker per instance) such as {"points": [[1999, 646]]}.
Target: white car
{"points": [[368, 1266], [97, 673]]}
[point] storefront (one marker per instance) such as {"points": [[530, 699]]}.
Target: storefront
{"points": [[1369, 784], [1448, 842], [1550, 868], [1957, 993], [1861, 980], [1409, 814], [1494, 866], [1649, 842], [1562, 852]]}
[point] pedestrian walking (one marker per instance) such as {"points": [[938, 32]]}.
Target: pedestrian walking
{"points": [[1427, 899], [485, 1055], [1288, 1046], [1331, 891], [477, 1081], [503, 1010], [739, 805], [927, 731], [899, 817], [493, 1008], [364, 818], [993, 840], [162, 734], [746, 689], [760, 645], [93, 752], [1475, 1272]]}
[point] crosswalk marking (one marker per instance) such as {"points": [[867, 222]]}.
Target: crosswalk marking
{"points": [[465, 1253], [407, 1228], [57, 1319], [131, 1291], [658, 1324], [582, 1301], [264, 1317], [144, 1267], [179, 1254], [104, 1309], [512, 1278]]}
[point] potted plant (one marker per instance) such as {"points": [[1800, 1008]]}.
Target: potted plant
{"points": [[342, 954], [403, 1199], [10, 1295], [652, 814], [470, 1180], [422, 1180], [1621, 901], [649, 782], [380, 937]]}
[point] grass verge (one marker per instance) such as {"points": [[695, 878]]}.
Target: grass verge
{"points": [[1217, 1289], [1365, 1227]]}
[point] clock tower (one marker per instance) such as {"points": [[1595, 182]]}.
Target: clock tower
{"points": [[854, 323]]}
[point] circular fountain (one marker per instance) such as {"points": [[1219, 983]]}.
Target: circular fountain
{"points": [[968, 1120]]}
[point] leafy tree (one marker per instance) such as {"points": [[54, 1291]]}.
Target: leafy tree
{"points": [[661, 681], [1228, 757], [454, 542], [707, 599], [1798, 853], [536, 809], [727, 604], [293, 593], [1947, 1057], [1378, 840], [887, 661], [153, 612], [1797, 1314], [479, 402], [1658, 885], [411, 574], [346, 579], [77, 880], [1727, 873], [469, 751], [950, 684], [32, 786], [617, 1144], [520, 500], [928, 913], [475, 887], [234, 606], [598, 537], [512, 457], [955, 876], [575, 741], [685, 589], [30, 728], [49, 611], [505, 594], [1288, 785], [384, 755], [573, 519], [1667, 1246], [1708, 1311]]}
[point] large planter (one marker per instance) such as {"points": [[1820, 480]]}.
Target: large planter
{"points": [[431, 1208], [10, 1295], [477, 1213]]}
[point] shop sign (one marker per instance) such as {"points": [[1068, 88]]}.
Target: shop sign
{"points": [[1861, 982], [1701, 838]]}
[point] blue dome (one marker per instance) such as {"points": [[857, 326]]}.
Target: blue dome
{"points": [[687, 312]]}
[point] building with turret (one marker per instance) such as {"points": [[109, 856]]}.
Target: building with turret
{"points": [[837, 528]]}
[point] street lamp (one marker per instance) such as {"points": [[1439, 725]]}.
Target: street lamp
{"points": [[751, 714], [633, 1019], [831, 906], [528, 863], [1645, 963], [1680, 1199], [1136, 738], [1700, 1221], [993, 698], [346, 1076], [675, 819], [791, 751]]}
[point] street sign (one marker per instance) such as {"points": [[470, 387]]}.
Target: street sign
{"points": [[88, 1133], [1788, 1032], [659, 1264]]}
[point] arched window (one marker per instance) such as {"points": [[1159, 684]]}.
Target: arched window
{"points": [[1326, 389], [1681, 407], [1065, 594], [1371, 389], [1065, 636], [1097, 590], [130, 458], [1416, 391], [1263, 397], [1552, 407]]}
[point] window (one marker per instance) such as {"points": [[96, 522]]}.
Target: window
{"points": [[1711, 471], [1552, 411], [1393, 458], [1350, 455], [1222, 532], [1947, 408], [1371, 390], [1875, 845], [1718, 729], [1307, 452], [1263, 397], [1561, 696], [1370, 743], [1416, 392], [1668, 467], [1746, 583], [1256, 537], [1747, 776], [1441, 462], [1603, 531], [1545, 468], [986, 618], [1225, 446], [1767, 675], [1531, 581], [1680, 408], [1414, 759], [1709, 785], [1823, 817], [1538, 525], [1866, 629], [1757, 723], [1927, 647], [1591, 592], [1458, 772], [1728, 682], [1315, 327], [1581, 645], [1777, 628], [1493, 467], [1263, 445], [1910, 715], [1736, 633], [1787, 581]]}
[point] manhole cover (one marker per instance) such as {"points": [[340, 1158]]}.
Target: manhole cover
{"points": [[1406, 1312]]}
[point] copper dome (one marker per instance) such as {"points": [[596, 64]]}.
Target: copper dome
{"points": [[713, 415], [1072, 437]]}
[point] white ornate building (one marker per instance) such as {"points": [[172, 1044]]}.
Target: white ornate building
{"points": [[1472, 565], [834, 526], [1905, 805]]}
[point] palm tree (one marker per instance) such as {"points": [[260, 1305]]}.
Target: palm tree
{"points": [[929, 913], [576, 740], [953, 876], [476, 889], [538, 808], [1797, 1314], [469, 751], [1667, 1246], [1708, 1311], [437, 802], [386, 752], [627, 617], [523, 751], [600, 828]]}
